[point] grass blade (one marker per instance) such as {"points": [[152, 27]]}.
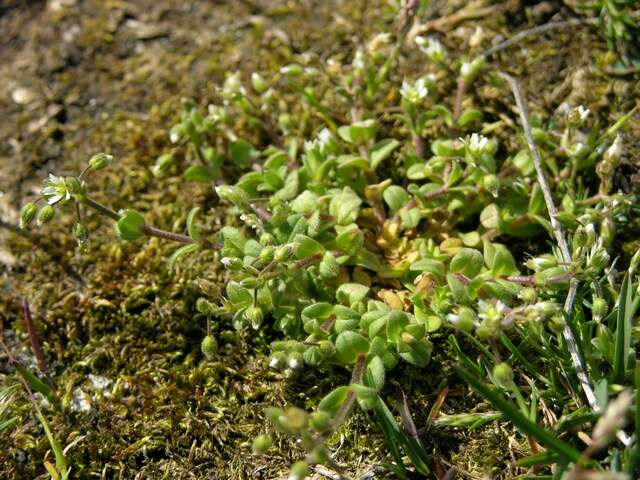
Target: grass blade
{"points": [[35, 383], [520, 421], [623, 332]]}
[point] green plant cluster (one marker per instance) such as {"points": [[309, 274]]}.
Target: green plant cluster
{"points": [[380, 216]]}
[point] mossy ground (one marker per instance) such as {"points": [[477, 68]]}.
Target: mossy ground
{"points": [[85, 76]]}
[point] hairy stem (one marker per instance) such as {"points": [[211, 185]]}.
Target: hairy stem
{"points": [[33, 336], [148, 229]]}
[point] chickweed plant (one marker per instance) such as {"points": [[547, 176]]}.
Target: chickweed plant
{"points": [[380, 218]]}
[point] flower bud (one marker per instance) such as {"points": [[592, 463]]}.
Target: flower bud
{"points": [[590, 229], [266, 254], [294, 360], [577, 116], [293, 70], [491, 184], [258, 83], [599, 259], [469, 70], [488, 328], [556, 323], [80, 232], [541, 263], [266, 239], [320, 420], [283, 253], [278, 360], [163, 163], [599, 308], [232, 263], [528, 295], [27, 214], [614, 152], [205, 307], [285, 122], [261, 444], [233, 194], [299, 471], [295, 418], [319, 454], [209, 347], [465, 319], [503, 374], [254, 315], [100, 161], [580, 237], [45, 214], [578, 150], [607, 230]]}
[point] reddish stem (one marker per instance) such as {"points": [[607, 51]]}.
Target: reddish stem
{"points": [[33, 336]]}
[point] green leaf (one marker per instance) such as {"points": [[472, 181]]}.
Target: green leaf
{"points": [[359, 132], [182, 252], [356, 162], [345, 206], [396, 321], [417, 353], [306, 246], [351, 293], [35, 383], [375, 373], [332, 402], [306, 202], [61, 461], [349, 345], [200, 173], [435, 267], [490, 216], [191, 223], [503, 262], [131, 226], [233, 239], [623, 332], [469, 116], [240, 152], [238, 295], [318, 311], [396, 197], [381, 151], [366, 396], [523, 162], [467, 261], [350, 241]]}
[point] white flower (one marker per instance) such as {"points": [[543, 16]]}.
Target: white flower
{"points": [[274, 362], [432, 48], [55, 190], [233, 87], [358, 60], [487, 310], [294, 363], [583, 112], [477, 144], [613, 153], [415, 92], [323, 139], [453, 318]]}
